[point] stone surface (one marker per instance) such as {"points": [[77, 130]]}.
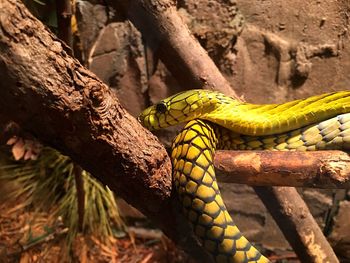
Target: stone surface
{"points": [[91, 17], [216, 24], [340, 237], [297, 48]]}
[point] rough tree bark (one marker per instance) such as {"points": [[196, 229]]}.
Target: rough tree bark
{"points": [[67, 107], [320, 169]]}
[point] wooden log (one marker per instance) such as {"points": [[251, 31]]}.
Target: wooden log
{"points": [[319, 169]]}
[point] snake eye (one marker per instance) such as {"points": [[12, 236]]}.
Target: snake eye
{"points": [[161, 107]]}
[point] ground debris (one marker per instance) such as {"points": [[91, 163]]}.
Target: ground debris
{"points": [[19, 235]]}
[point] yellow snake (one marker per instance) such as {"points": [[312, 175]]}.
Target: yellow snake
{"points": [[216, 121]]}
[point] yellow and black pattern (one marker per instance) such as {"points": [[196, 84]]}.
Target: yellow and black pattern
{"points": [[332, 134], [219, 122], [245, 118], [195, 182]]}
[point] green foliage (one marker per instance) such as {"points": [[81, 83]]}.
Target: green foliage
{"points": [[48, 184]]}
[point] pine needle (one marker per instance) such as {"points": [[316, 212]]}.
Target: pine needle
{"points": [[47, 184]]}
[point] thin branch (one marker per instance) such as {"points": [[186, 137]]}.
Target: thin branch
{"points": [[319, 169], [79, 185], [45, 238], [64, 16], [323, 169]]}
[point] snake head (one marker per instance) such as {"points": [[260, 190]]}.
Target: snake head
{"points": [[161, 115], [171, 111], [181, 107], [152, 116]]}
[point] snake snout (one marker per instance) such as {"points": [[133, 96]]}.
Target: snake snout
{"points": [[146, 121]]}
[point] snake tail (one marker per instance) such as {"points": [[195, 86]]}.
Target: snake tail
{"points": [[194, 177]]}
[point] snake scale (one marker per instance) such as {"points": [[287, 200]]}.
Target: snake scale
{"points": [[216, 121]]}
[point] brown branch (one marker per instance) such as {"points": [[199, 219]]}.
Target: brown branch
{"points": [[323, 169], [79, 185], [64, 16], [51, 95], [45, 238], [319, 169], [297, 224], [163, 29], [160, 24]]}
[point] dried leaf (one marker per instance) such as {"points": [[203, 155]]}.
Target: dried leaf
{"points": [[28, 155], [18, 149], [12, 140], [33, 149]]}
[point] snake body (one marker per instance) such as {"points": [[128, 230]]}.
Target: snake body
{"points": [[216, 121]]}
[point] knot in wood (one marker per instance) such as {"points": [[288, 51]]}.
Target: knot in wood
{"points": [[96, 95]]}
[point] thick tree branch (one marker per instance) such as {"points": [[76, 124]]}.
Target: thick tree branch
{"points": [[159, 22], [51, 95], [320, 169], [168, 35]]}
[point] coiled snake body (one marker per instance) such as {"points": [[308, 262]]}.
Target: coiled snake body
{"points": [[216, 121]]}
